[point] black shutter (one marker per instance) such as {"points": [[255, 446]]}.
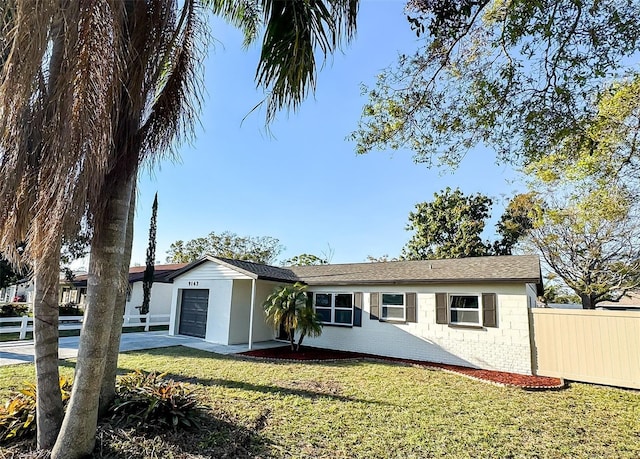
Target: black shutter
{"points": [[357, 309], [374, 303], [441, 308], [411, 307], [489, 310], [309, 299]]}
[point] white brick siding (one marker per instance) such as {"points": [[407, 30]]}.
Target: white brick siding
{"points": [[505, 348]]}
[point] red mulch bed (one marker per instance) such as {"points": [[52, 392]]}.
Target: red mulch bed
{"points": [[499, 377]]}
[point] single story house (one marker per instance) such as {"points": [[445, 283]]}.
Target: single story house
{"points": [[161, 290], [20, 292], [470, 311]]}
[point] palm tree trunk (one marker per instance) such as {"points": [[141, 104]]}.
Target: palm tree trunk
{"points": [[108, 388], [292, 332], [302, 335], [49, 409], [77, 436]]}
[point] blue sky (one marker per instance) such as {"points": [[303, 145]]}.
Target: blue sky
{"points": [[303, 184]]}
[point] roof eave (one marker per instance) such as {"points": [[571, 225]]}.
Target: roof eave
{"points": [[424, 281]]}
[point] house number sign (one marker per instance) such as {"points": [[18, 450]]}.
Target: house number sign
{"points": [[193, 283]]}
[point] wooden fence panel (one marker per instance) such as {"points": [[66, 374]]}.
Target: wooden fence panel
{"points": [[601, 347]]}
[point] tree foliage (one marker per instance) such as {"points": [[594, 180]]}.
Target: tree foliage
{"points": [[305, 259], [605, 150], [259, 249], [149, 270], [8, 275], [518, 76], [591, 241], [89, 92], [381, 259], [451, 226]]}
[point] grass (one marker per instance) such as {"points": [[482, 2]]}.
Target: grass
{"points": [[371, 410]]}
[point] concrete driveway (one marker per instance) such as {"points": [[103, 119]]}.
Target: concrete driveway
{"points": [[13, 352]]}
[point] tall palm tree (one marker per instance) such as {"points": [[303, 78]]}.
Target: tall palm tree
{"points": [[118, 91]]}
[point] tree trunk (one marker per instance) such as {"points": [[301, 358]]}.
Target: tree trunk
{"points": [[77, 436], [302, 335], [292, 340], [49, 410], [108, 387], [587, 301]]}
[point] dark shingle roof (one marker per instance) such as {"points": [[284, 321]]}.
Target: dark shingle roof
{"points": [[520, 268], [523, 268], [266, 272]]}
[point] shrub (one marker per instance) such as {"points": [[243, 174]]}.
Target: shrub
{"points": [[70, 309], [148, 399], [13, 310], [18, 415]]}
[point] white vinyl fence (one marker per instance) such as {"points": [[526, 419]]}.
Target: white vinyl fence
{"points": [[23, 325]]}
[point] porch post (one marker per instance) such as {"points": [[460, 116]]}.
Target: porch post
{"points": [[253, 305]]}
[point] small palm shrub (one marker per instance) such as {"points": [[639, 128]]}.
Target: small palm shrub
{"points": [[18, 415], [148, 399]]}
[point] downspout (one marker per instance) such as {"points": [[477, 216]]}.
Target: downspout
{"points": [[253, 305]]}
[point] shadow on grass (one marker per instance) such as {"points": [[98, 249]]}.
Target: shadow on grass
{"points": [[217, 438], [268, 389]]}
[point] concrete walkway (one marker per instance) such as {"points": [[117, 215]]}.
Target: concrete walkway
{"points": [[13, 352]]}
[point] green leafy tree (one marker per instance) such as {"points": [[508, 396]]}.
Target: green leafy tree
{"points": [[381, 259], [604, 150], [109, 85], [591, 241], [517, 76], [147, 281], [8, 275], [305, 259], [555, 293], [260, 249], [451, 226], [289, 307]]}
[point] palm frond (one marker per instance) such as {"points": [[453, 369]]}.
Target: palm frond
{"points": [[244, 14], [177, 88], [295, 30]]}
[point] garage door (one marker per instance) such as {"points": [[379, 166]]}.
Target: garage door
{"points": [[193, 313]]}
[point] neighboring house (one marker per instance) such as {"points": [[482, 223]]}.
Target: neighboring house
{"points": [[470, 311], [630, 301], [160, 292], [20, 292]]}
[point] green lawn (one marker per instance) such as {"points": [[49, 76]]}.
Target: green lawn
{"points": [[376, 410]]}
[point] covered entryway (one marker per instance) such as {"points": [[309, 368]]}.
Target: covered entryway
{"points": [[220, 300], [193, 312]]}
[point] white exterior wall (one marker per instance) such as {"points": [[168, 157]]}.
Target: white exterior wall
{"points": [[160, 299], [505, 348], [261, 330], [240, 310], [219, 281], [532, 295]]}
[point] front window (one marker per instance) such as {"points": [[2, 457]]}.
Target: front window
{"points": [[335, 308], [393, 306], [464, 309]]}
